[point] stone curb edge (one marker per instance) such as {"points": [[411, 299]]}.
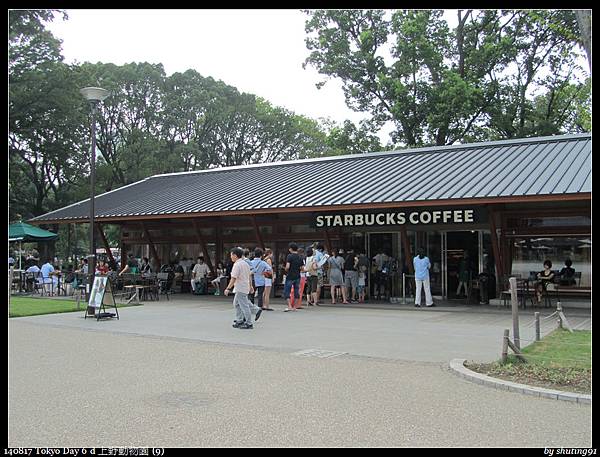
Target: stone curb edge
{"points": [[457, 365]]}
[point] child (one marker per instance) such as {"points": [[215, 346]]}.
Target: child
{"points": [[361, 284]]}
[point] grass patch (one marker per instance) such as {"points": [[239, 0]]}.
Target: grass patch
{"points": [[26, 306], [561, 360]]}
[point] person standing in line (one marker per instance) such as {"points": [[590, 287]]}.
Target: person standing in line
{"points": [[260, 267], [293, 266], [351, 275], [321, 259], [336, 278], [241, 285], [422, 266], [298, 301], [380, 261], [362, 283], [311, 277], [268, 258]]}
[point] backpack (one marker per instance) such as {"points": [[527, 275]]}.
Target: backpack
{"points": [[311, 266]]}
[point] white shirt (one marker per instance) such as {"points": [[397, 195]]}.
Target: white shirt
{"points": [[200, 271], [241, 273], [47, 269]]}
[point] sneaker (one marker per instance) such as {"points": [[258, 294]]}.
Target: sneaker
{"points": [[258, 313], [237, 324], [287, 309], [417, 306], [429, 306], [246, 326]]}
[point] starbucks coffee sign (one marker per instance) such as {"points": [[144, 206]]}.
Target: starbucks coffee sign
{"points": [[398, 218]]}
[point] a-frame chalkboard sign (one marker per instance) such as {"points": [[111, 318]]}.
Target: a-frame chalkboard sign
{"points": [[101, 297]]}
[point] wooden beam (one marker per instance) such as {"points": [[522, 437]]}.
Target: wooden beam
{"points": [[202, 243], [100, 229], [151, 244]]}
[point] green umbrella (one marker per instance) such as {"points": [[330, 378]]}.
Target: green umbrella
{"points": [[20, 231]]}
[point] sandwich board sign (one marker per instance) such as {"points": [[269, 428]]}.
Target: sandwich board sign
{"points": [[101, 296]]}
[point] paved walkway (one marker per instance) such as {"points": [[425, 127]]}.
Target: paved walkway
{"points": [[416, 334], [176, 374]]}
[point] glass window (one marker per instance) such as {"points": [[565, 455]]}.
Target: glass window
{"points": [[529, 255], [555, 221]]}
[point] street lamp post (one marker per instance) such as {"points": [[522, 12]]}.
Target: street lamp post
{"points": [[94, 95]]}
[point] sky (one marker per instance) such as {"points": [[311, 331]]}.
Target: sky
{"points": [[257, 51]]}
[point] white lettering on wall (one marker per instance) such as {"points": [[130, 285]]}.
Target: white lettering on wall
{"points": [[422, 217]]}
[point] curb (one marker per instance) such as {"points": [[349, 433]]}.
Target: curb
{"points": [[457, 365]]}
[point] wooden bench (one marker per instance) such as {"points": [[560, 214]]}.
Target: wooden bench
{"points": [[574, 291]]}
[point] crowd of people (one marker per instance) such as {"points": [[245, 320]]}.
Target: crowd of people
{"points": [[252, 275]]}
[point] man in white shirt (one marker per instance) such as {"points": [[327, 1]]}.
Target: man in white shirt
{"points": [[49, 277], [199, 276], [241, 285]]}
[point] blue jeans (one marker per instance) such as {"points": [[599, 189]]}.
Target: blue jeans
{"points": [[288, 288]]}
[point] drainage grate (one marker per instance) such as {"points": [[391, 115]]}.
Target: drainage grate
{"points": [[322, 354]]}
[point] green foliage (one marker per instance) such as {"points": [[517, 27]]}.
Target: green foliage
{"points": [[150, 124], [439, 86], [561, 360]]}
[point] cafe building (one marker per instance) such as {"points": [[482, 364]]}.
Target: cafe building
{"points": [[505, 205]]}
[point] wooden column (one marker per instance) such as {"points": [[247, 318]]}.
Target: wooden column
{"points": [[151, 244], [327, 241], [123, 251], [219, 242], [495, 244], [407, 251], [259, 239], [505, 252], [202, 243], [100, 228]]}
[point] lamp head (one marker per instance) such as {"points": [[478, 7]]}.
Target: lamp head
{"points": [[94, 94]]}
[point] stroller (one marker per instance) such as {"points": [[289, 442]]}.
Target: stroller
{"points": [[165, 281]]}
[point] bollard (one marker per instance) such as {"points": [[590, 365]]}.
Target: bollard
{"points": [[505, 346], [537, 326], [515, 311]]}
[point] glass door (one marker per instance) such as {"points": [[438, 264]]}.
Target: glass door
{"points": [[434, 252], [385, 277], [462, 262]]}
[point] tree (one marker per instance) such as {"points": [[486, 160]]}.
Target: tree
{"points": [[45, 131], [439, 86]]}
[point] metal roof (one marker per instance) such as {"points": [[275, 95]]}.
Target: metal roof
{"points": [[546, 166]]}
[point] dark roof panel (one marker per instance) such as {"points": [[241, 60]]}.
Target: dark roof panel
{"points": [[535, 166]]}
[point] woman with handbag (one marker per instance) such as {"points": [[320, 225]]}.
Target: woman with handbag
{"points": [[269, 277]]}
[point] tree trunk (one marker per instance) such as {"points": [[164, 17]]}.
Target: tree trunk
{"points": [[584, 19]]}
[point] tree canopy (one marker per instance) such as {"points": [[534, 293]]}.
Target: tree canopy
{"points": [[496, 75]]}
